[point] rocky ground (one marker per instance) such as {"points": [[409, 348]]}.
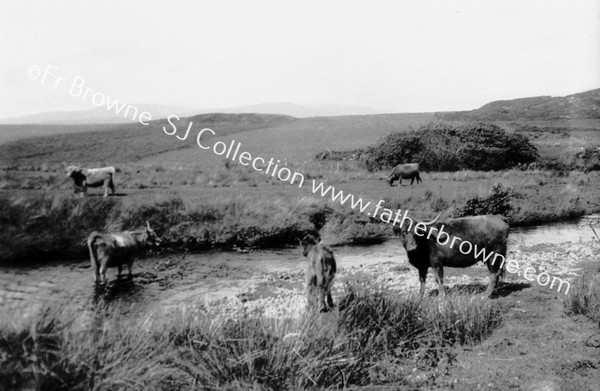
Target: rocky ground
{"points": [[281, 293]]}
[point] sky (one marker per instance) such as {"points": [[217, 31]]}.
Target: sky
{"points": [[395, 56]]}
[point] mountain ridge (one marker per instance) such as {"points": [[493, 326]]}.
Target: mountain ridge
{"points": [[582, 105]]}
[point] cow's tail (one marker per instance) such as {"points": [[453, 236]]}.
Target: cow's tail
{"points": [[91, 242]]}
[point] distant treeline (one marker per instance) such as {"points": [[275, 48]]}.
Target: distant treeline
{"points": [[446, 147]]}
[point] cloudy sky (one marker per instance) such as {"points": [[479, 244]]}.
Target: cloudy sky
{"points": [[401, 56]]}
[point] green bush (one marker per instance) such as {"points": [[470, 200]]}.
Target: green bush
{"points": [[497, 203], [449, 147]]}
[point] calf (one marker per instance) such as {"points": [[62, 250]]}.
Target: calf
{"points": [[118, 249], [320, 273], [92, 177]]}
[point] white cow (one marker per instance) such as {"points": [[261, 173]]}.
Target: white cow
{"points": [[92, 177]]}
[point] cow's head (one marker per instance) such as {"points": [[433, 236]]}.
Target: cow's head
{"points": [[408, 236], [72, 170], [308, 242], [151, 237]]}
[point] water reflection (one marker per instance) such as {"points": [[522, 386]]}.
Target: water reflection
{"points": [[577, 231]]}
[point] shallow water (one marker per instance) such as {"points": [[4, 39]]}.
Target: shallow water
{"points": [[204, 278], [576, 231]]}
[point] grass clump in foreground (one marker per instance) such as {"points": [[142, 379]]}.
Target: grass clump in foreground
{"points": [[584, 298], [377, 337]]}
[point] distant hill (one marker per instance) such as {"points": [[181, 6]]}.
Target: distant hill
{"points": [[124, 142], [101, 115], [300, 111], [584, 105]]}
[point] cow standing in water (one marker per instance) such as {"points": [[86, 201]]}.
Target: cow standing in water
{"points": [[118, 249], [92, 177], [320, 273], [405, 171]]}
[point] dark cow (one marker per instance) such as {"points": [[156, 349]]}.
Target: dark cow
{"points": [[319, 274], [405, 171], [457, 242], [118, 249], [92, 177]]}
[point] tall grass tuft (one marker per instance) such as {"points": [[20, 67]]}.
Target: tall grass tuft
{"points": [[584, 297], [375, 337]]}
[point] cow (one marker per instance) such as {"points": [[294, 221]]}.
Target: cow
{"points": [[405, 171], [443, 245], [319, 273], [92, 177], [118, 249]]}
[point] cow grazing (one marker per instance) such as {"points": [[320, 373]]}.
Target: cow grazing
{"points": [[118, 249], [319, 274], [457, 242], [92, 177], [405, 171]]}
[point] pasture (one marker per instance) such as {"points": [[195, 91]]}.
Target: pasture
{"points": [[211, 327]]}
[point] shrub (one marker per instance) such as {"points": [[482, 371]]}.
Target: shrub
{"points": [[448, 147], [497, 203], [585, 159]]}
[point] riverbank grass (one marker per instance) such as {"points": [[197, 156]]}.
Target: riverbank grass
{"points": [[374, 337]]}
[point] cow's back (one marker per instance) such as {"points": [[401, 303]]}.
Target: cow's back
{"points": [[322, 262], [117, 249], [489, 232], [406, 169]]}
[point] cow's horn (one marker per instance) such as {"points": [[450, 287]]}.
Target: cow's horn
{"points": [[147, 224], [432, 221]]}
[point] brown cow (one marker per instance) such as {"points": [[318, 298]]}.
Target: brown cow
{"points": [[458, 243], [405, 171], [319, 274], [118, 249]]}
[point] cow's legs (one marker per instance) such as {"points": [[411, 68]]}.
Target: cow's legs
{"points": [[129, 267], [439, 276], [329, 300], [412, 180], [120, 267], [112, 186], [418, 179], [494, 277], [422, 278], [103, 273]]}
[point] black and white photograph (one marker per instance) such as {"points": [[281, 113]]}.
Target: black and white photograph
{"points": [[300, 195]]}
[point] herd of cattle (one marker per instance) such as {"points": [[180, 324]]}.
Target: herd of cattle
{"points": [[489, 232]]}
